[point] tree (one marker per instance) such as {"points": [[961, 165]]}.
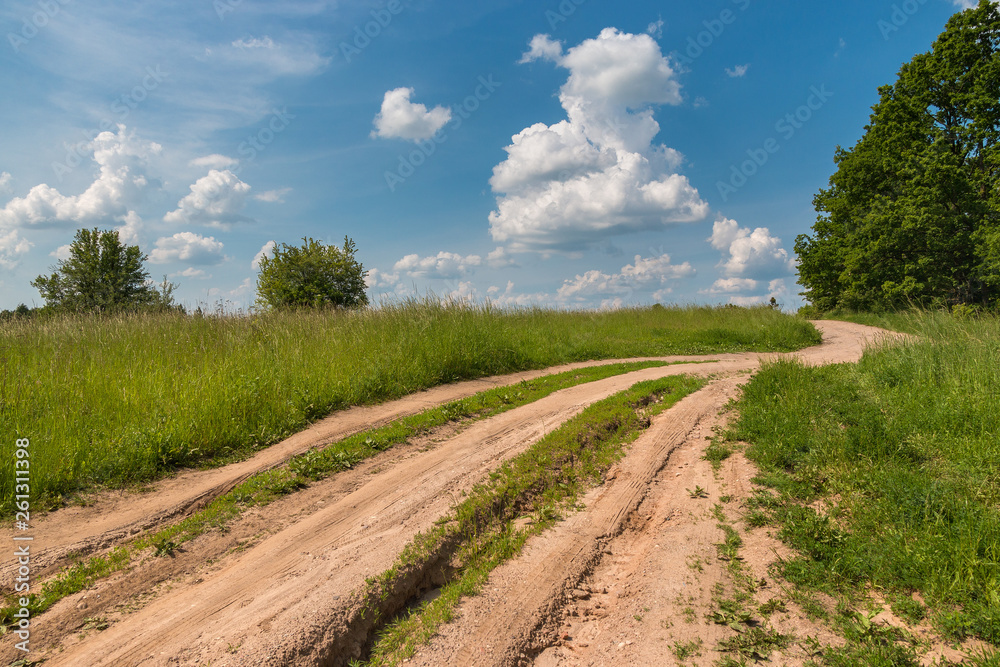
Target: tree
{"points": [[912, 214], [313, 274], [102, 275]]}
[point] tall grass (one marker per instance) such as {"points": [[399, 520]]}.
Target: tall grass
{"points": [[122, 400], [910, 440]]}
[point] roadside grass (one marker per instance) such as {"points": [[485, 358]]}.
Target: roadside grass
{"points": [[482, 531], [904, 450], [316, 464], [120, 401]]}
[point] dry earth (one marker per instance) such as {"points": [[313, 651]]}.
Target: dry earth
{"points": [[610, 585]]}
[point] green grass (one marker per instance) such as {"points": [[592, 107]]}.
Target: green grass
{"points": [[907, 442], [263, 488], [119, 401], [541, 483]]}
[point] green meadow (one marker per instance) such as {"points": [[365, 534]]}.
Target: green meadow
{"points": [[120, 401]]}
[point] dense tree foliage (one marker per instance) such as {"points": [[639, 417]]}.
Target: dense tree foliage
{"points": [[102, 274], [313, 274], [912, 214]]}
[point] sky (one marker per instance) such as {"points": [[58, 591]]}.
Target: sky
{"points": [[579, 154]]}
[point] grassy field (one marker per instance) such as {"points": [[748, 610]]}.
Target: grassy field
{"points": [[905, 446], [121, 401]]}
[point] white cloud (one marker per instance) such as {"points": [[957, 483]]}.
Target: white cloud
{"points": [[465, 291], [215, 199], [738, 72], [273, 196], [12, 246], [402, 119], [542, 47], [191, 272], [732, 285], [214, 161], [254, 43], [128, 232], [444, 265], [62, 252], [5, 179], [378, 279], [642, 275], [776, 289], [187, 247], [749, 254], [655, 29], [499, 259], [265, 55], [596, 174], [120, 183], [264, 250]]}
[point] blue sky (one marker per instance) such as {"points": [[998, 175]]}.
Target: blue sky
{"points": [[575, 154]]}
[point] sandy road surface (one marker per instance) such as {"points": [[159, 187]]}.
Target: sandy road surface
{"points": [[282, 598]]}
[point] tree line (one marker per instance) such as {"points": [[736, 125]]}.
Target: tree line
{"points": [[103, 275], [912, 214]]}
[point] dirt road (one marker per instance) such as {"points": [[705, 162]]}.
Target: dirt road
{"points": [[274, 589]]}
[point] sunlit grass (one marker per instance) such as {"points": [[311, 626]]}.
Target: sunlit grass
{"points": [[123, 400], [907, 442]]}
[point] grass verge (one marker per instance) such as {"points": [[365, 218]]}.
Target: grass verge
{"points": [[482, 531], [903, 450], [118, 401], [300, 471]]}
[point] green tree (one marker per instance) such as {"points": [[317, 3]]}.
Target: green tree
{"points": [[912, 213], [102, 274], [313, 274]]}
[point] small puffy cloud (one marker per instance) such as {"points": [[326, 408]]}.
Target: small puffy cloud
{"points": [[402, 119], [465, 291], [214, 161], [272, 196], [263, 252], [542, 47], [642, 275], [128, 232], [5, 179], [254, 43], [191, 272], [215, 199], [121, 182], [655, 29], [187, 247], [62, 252], [508, 297], [776, 289], [12, 246], [499, 259], [444, 265], [376, 279], [749, 254], [732, 286], [596, 174], [737, 72]]}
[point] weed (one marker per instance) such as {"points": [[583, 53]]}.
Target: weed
{"points": [[755, 643], [685, 650], [697, 492], [771, 606]]}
